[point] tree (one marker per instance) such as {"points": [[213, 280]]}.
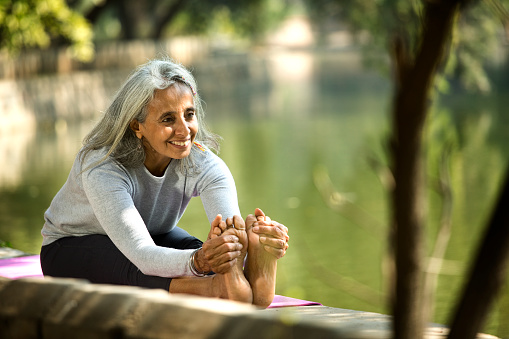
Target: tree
{"points": [[40, 23], [154, 19], [419, 37]]}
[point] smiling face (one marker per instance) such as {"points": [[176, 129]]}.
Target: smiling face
{"points": [[170, 128]]}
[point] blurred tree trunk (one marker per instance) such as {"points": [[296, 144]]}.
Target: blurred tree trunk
{"points": [[129, 14], [165, 18], [414, 81], [487, 274], [95, 12]]}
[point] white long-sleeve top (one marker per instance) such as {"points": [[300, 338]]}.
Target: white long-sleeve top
{"points": [[130, 204]]}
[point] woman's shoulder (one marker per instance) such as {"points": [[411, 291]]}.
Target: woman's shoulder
{"points": [[208, 164], [89, 158], [205, 157], [98, 160]]}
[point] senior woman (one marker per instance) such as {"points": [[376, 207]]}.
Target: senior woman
{"points": [[115, 219]]}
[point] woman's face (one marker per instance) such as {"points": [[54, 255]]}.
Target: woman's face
{"points": [[170, 127]]}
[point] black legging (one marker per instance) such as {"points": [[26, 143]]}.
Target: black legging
{"points": [[96, 259]]}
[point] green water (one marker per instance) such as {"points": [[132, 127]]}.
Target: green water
{"points": [[288, 121]]}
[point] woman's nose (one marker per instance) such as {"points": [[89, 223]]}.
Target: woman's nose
{"points": [[181, 127]]}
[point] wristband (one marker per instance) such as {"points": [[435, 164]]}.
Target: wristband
{"points": [[192, 266]]}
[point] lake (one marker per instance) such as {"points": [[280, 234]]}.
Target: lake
{"points": [[304, 134]]}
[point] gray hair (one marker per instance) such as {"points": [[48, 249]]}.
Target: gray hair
{"points": [[113, 130]]}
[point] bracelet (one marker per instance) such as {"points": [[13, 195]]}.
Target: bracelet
{"points": [[192, 267]]}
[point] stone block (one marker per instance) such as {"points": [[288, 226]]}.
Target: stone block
{"points": [[179, 316], [92, 311], [189, 317], [66, 308], [261, 325], [24, 302], [3, 282]]}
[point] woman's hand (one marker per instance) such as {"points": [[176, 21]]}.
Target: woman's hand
{"points": [[218, 253], [273, 235]]}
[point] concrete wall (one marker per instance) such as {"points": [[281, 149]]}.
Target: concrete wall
{"points": [[108, 55], [63, 308], [41, 87]]}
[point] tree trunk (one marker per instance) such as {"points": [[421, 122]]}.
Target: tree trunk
{"points": [[487, 275], [97, 10], [413, 88], [166, 18]]}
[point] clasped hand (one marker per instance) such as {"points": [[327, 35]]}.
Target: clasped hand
{"points": [[220, 253]]}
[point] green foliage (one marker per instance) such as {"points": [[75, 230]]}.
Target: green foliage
{"points": [[476, 40], [133, 19], [243, 18], [442, 140], [5, 244], [36, 23], [377, 23]]}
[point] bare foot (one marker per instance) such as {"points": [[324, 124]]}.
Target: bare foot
{"points": [[233, 285], [261, 266]]}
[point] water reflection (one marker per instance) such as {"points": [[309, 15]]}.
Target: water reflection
{"points": [[16, 134], [291, 73], [13, 154], [283, 116]]}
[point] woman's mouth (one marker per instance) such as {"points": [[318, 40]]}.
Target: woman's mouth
{"points": [[184, 143]]}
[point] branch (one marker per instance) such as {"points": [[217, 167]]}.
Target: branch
{"points": [[444, 234], [487, 273], [339, 202]]}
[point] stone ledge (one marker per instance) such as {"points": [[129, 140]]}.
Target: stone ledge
{"points": [[69, 308], [65, 308]]}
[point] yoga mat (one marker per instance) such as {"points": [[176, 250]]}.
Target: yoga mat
{"points": [[21, 267], [282, 301], [30, 266]]}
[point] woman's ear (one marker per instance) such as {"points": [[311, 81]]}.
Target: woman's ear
{"points": [[135, 126]]}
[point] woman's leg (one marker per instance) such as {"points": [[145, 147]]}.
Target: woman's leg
{"points": [[96, 259], [177, 238]]}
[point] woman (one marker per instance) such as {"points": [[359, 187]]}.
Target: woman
{"points": [[114, 220]]}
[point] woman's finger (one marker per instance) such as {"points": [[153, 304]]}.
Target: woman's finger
{"points": [[278, 253], [225, 267], [272, 231], [219, 261], [217, 246], [272, 242]]}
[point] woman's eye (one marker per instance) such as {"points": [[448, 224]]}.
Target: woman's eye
{"points": [[168, 120], [191, 115]]}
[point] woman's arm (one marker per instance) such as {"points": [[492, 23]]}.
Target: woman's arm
{"points": [[216, 188], [108, 190]]}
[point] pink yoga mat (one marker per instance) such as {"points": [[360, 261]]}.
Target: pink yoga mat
{"points": [[30, 266], [21, 267], [282, 301]]}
